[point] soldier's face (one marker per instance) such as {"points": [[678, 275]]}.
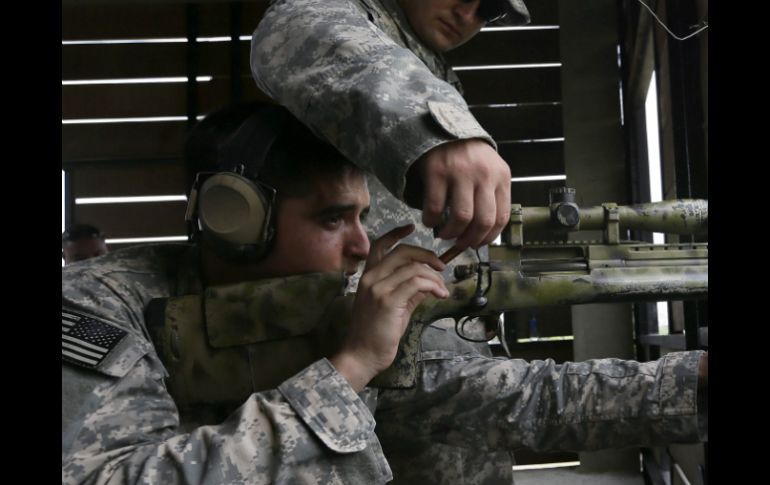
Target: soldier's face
{"points": [[443, 24], [81, 249], [322, 231]]}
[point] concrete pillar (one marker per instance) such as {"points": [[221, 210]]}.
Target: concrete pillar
{"points": [[595, 166]]}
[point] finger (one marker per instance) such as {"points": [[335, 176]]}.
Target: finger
{"points": [[502, 212], [404, 274], [483, 218], [401, 256], [462, 208], [434, 200], [503, 205], [416, 290], [404, 255], [384, 243]]}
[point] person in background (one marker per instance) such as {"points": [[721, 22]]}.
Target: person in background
{"points": [[82, 241]]}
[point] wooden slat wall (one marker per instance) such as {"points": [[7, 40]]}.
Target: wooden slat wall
{"points": [[144, 158], [124, 100], [511, 85], [496, 47], [89, 21], [84, 21], [533, 159], [121, 141], [134, 178], [136, 220], [520, 123]]}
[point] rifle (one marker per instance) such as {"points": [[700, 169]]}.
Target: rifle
{"points": [[252, 336]]}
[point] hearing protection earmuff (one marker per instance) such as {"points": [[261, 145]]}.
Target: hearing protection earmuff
{"points": [[232, 210]]}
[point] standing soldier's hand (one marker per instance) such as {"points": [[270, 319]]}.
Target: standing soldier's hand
{"points": [[471, 178]]}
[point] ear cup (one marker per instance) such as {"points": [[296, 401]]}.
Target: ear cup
{"points": [[231, 210], [234, 210]]}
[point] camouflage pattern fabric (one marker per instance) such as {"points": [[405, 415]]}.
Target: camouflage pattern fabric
{"points": [[355, 72], [542, 405], [466, 414], [469, 412], [119, 424]]}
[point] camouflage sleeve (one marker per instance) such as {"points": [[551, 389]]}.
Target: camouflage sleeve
{"points": [[494, 403], [373, 99], [124, 428]]}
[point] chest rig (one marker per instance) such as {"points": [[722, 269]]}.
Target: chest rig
{"points": [[231, 341]]}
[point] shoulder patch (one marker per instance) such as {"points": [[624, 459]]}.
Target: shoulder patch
{"points": [[86, 341], [453, 119]]}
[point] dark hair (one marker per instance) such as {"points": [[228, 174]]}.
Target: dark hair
{"points": [[80, 231], [206, 140], [297, 158], [291, 155]]}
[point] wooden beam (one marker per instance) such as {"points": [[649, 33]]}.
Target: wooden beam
{"points": [[494, 86], [92, 21], [135, 220], [127, 179], [521, 122], [123, 141], [508, 47], [533, 159]]}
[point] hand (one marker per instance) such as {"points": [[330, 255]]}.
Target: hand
{"points": [[391, 287], [470, 177]]}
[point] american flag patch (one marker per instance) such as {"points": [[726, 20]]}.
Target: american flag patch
{"points": [[86, 341]]}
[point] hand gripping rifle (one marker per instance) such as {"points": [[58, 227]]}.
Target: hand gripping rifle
{"points": [[252, 336]]}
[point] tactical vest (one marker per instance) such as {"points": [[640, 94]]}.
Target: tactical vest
{"points": [[232, 341]]}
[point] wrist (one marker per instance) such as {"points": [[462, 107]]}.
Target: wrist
{"points": [[355, 370]]}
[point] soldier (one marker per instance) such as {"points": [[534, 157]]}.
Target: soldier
{"points": [[82, 241], [369, 77], [120, 423]]}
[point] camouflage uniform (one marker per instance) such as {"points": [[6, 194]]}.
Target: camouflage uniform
{"points": [[478, 409], [355, 72], [120, 423]]}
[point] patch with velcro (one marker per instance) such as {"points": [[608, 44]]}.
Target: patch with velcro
{"points": [[86, 341]]}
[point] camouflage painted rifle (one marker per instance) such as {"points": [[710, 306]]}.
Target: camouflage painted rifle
{"points": [[252, 336], [523, 274]]}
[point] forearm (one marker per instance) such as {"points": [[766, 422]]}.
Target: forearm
{"points": [[499, 403], [371, 98]]}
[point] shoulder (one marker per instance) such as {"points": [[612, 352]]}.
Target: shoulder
{"points": [[104, 301], [93, 343], [137, 259], [123, 276]]}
